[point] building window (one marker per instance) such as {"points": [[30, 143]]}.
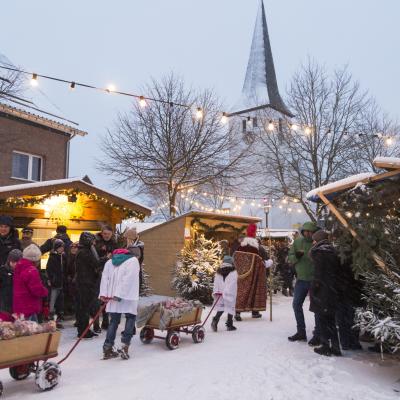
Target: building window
{"points": [[244, 126], [26, 166], [255, 122]]}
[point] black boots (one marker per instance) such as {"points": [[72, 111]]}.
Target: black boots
{"points": [[214, 324], [326, 350], [298, 337], [256, 314], [314, 341], [238, 317]]}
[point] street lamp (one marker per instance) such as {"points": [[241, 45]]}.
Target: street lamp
{"points": [[267, 208]]}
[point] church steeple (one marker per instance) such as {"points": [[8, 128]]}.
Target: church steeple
{"points": [[260, 85]]}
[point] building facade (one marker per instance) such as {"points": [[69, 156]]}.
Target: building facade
{"points": [[32, 148]]}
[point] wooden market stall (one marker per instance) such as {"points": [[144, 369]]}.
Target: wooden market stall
{"points": [[164, 242], [73, 202]]}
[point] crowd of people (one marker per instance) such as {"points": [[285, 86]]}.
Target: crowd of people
{"points": [[97, 274], [79, 278]]}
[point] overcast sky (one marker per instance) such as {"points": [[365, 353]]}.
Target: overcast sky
{"points": [[208, 42]]}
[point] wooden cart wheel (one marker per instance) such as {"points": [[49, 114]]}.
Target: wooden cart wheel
{"points": [[198, 334], [48, 375], [147, 335], [21, 372], [172, 340]]}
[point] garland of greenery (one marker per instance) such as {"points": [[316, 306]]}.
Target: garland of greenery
{"points": [[16, 202], [211, 229]]}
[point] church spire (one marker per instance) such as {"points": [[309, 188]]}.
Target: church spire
{"points": [[260, 85]]}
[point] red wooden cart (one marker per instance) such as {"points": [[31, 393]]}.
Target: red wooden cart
{"points": [[23, 355]]}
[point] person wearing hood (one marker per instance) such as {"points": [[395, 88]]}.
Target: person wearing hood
{"points": [[55, 270], [6, 281], [8, 238], [252, 286], [120, 288], [300, 259], [28, 289], [224, 293], [323, 292], [26, 239], [87, 273]]}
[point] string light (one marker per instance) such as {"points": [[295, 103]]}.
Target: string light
{"points": [[34, 80], [294, 127], [249, 122], [307, 130], [199, 113], [389, 141], [224, 118], [142, 102], [72, 86], [271, 126], [111, 88]]}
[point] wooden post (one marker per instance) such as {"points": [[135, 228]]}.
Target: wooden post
{"points": [[381, 264], [270, 276]]}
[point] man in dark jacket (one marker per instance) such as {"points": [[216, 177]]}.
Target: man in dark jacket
{"points": [[87, 275], [61, 233], [324, 295], [6, 281], [55, 270], [105, 245], [8, 238], [27, 235]]}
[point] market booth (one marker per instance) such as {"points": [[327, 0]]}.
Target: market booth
{"points": [[164, 242], [73, 202]]}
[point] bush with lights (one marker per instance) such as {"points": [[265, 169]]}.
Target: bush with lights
{"points": [[194, 272]]}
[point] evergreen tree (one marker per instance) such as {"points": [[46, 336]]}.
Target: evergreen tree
{"points": [[374, 213], [195, 270]]}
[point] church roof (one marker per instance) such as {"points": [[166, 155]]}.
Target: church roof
{"points": [[260, 84]]}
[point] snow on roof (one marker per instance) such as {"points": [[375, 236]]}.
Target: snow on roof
{"points": [[64, 182], [140, 226], [330, 187], [23, 113], [276, 233], [387, 162]]}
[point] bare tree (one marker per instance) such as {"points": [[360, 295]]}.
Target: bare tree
{"points": [[162, 149], [336, 124]]}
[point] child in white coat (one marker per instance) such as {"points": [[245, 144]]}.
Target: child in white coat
{"points": [[120, 287], [224, 293]]}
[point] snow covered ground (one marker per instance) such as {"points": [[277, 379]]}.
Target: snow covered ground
{"points": [[255, 362]]}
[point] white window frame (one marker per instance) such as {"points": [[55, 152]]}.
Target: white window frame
{"points": [[29, 166]]}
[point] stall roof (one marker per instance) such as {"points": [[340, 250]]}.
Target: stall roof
{"points": [[42, 188], [388, 163], [333, 189], [276, 233], [209, 215]]}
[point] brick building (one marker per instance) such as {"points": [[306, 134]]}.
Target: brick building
{"points": [[32, 147]]}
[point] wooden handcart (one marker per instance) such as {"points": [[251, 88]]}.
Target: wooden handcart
{"points": [[22, 356], [189, 323]]}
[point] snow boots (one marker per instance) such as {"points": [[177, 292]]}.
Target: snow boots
{"points": [[229, 323], [326, 350], [124, 352], [298, 337], [214, 324], [109, 352], [256, 314], [314, 341]]}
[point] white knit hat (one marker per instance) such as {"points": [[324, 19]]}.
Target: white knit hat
{"points": [[32, 253]]}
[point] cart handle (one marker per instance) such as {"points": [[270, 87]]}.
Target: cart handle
{"points": [[101, 309], [212, 308]]}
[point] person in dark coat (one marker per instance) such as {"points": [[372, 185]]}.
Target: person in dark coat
{"points": [[26, 239], [285, 270], [349, 297], [6, 281], [55, 268], [87, 275], [61, 233], [70, 280], [8, 238], [105, 245], [323, 292]]}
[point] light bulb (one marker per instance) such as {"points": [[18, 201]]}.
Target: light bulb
{"points": [[34, 80], [111, 88], [294, 127], [199, 113], [307, 130], [72, 86], [142, 102], [224, 118], [389, 141], [271, 126]]}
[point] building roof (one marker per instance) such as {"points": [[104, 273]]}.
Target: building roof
{"points": [[44, 187], [260, 85], [23, 114], [213, 216]]}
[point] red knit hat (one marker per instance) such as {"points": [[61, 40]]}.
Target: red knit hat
{"points": [[252, 230]]}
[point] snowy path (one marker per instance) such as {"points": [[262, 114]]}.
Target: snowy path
{"points": [[255, 362]]}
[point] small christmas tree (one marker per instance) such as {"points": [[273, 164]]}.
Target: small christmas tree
{"points": [[195, 270]]}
